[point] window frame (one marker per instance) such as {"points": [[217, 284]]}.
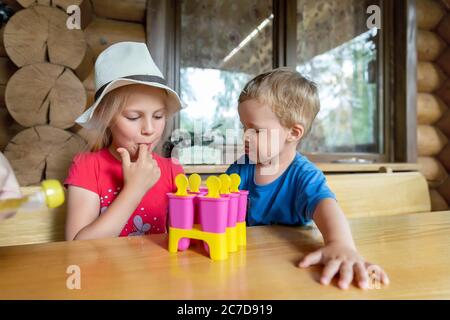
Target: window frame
{"points": [[397, 63]]}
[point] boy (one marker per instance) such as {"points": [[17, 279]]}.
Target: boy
{"points": [[277, 110]]}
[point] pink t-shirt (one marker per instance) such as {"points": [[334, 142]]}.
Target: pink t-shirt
{"points": [[101, 172]]}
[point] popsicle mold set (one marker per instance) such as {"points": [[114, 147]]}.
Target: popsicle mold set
{"points": [[215, 214]]}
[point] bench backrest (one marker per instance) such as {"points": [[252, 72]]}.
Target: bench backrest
{"points": [[377, 194]]}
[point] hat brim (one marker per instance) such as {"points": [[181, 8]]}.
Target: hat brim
{"points": [[173, 102]]}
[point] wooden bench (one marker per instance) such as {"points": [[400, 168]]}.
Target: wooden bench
{"points": [[360, 195], [376, 194]]}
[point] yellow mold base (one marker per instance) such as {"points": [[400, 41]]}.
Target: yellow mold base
{"points": [[231, 239], [241, 234], [219, 243]]}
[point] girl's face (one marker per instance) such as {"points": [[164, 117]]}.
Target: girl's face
{"points": [[142, 121]]}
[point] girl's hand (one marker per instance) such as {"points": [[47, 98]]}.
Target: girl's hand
{"points": [[347, 261], [142, 174]]}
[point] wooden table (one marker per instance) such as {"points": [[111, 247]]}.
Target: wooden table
{"points": [[414, 249]]}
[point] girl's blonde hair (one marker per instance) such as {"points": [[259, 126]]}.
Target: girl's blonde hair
{"points": [[112, 103], [293, 98]]}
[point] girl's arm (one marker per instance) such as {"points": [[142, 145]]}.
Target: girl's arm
{"points": [[339, 254], [83, 220]]}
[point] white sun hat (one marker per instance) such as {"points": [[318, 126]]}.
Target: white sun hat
{"points": [[127, 63]]}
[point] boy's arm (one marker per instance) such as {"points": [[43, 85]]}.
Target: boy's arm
{"points": [[332, 223], [339, 254]]}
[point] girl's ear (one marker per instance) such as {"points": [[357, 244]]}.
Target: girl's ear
{"points": [[296, 133]]}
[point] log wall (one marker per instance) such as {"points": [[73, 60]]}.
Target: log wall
{"points": [[433, 98], [47, 78]]}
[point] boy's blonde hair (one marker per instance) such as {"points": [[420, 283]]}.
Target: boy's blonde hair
{"points": [[293, 98]]}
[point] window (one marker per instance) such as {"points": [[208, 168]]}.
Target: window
{"points": [[223, 45], [361, 73], [337, 51]]}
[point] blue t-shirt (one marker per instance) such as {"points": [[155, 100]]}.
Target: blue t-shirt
{"points": [[290, 199]]}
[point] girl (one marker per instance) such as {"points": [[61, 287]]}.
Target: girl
{"points": [[120, 188]]}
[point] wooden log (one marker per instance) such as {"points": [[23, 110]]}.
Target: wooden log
{"points": [[444, 28], [8, 128], [62, 4], [444, 124], [430, 140], [13, 4], [429, 14], [430, 108], [87, 13], [438, 203], [2, 45], [102, 33], [89, 82], [444, 190], [42, 152], [90, 89], [429, 77], [433, 184], [444, 157], [429, 45], [85, 134], [86, 66], [446, 4], [90, 95], [45, 93], [432, 169], [84, 5], [2, 96], [7, 69], [125, 10], [444, 92], [5, 123], [40, 34], [444, 61]]}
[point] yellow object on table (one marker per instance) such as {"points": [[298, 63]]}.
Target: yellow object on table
{"points": [[213, 184], [51, 194], [225, 182], [235, 182], [194, 182], [182, 183]]}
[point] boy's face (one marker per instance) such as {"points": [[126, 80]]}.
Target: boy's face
{"points": [[142, 121], [264, 136]]}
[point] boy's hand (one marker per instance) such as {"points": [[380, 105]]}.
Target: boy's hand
{"points": [[142, 174], [345, 260]]}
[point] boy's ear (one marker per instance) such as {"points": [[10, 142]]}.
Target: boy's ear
{"points": [[296, 133]]}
